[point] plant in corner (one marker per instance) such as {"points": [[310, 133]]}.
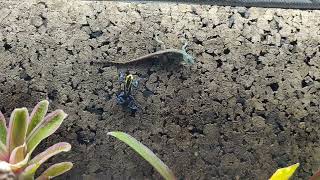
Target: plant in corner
{"points": [[23, 135], [285, 173], [145, 153]]}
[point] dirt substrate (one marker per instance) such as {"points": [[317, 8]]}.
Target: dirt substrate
{"points": [[249, 105]]}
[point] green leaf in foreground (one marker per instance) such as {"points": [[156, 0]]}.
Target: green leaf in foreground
{"points": [[37, 115], [35, 163], [146, 153], [55, 170], [45, 128], [3, 129], [17, 128]]}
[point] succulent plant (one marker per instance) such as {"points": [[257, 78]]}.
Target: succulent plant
{"points": [[23, 135]]}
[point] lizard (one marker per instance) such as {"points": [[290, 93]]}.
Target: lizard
{"points": [[187, 58]]}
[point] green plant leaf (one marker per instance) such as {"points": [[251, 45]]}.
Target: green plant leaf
{"points": [[3, 152], [51, 151], [17, 128], [146, 153], [35, 163], [3, 138], [284, 173], [37, 115], [55, 170], [28, 172], [3, 129], [45, 128], [18, 154], [17, 167]]}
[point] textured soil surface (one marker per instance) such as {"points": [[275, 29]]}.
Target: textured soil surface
{"points": [[248, 106]]}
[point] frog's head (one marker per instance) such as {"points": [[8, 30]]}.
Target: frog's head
{"points": [[128, 84]]}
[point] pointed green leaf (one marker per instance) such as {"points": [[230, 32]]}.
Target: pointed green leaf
{"points": [[284, 173], [17, 128], [3, 129], [146, 153], [47, 127], [51, 151], [37, 115], [55, 170], [18, 154], [35, 163]]}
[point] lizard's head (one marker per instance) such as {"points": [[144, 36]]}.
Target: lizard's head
{"points": [[187, 58]]}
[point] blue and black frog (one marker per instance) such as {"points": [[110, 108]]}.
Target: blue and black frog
{"points": [[124, 97]]}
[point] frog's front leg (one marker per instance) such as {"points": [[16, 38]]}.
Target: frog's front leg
{"points": [[121, 98]]}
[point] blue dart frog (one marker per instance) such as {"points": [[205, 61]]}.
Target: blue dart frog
{"points": [[124, 97]]}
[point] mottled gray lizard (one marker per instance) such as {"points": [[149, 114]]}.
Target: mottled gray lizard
{"points": [[187, 58]]}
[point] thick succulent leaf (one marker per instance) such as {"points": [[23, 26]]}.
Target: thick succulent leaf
{"points": [[17, 128], [28, 172], [3, 137], [146, 153], [35, 163], [55, 170], [44, 129], [284, 173], [3, 129], [18, 154], [51, 151], [316, 176], [4, 155], [37, 115], [18, 166]]}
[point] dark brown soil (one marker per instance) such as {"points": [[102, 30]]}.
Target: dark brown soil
{"points": [[248, 106]]}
